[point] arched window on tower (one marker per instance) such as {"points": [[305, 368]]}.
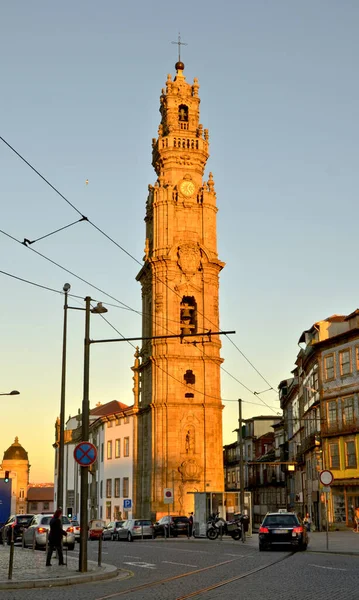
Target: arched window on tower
{"points": [[188, 310], [183, 113]]}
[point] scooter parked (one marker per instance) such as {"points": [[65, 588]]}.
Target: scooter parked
{"points": [[217, 526]]}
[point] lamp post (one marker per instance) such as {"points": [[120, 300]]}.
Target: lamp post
{"points": [[13, 393], [85, 434], [61, 450]]}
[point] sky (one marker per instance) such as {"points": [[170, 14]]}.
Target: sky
{"points": [[80, 97]]}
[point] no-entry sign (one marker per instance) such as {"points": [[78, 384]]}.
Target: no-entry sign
{"points": [[326, 477]]}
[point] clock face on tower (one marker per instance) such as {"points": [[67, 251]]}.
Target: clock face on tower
{"points": [[187, 188]]}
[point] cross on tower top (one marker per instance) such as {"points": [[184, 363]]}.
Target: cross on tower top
{"points": [[179, 44]]}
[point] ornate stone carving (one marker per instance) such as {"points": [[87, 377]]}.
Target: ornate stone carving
{"points": [[189, 258]]}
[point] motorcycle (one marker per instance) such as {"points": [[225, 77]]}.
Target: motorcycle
{"points": [[217, 526]]}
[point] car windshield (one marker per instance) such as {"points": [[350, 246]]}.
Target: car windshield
{"points": [[65, 520], [180, 519], [286, 520], [46, 520], [119, 523]]}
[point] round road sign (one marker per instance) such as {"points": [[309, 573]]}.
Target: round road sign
{"points": [[326, 477], [85, 454]]}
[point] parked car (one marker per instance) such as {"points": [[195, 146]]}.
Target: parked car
{"points": [[172, 525], [77, 529], [95, 529], [135, 528], [110, 532], [40, 525], [282, 528], [16, 524]]}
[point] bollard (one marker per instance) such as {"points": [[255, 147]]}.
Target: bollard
{"points": [[47, 542], [23, 540], [142, 530], [188, 530], [99, 558], [34, 540], [221, 530], [11, 559]]}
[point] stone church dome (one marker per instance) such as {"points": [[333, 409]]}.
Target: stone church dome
{"points": [[15, 452]]}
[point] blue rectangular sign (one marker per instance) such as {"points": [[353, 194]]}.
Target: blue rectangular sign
{"points": [[5, 500], [127, 504]]}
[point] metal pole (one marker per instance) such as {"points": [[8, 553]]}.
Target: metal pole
{"points": [[326, 518], [99, 558], [241, 464], [60, 467], [84, 437], [11, 560]]}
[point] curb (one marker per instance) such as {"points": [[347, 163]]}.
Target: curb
{"points": [[342, 552], [110, 572]]}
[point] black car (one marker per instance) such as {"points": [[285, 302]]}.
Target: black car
{"points": [[282, 528], [173, 525], [16, 524]]}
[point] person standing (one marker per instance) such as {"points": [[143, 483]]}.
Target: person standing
{"points": [[356, 520], [55, 538], [190, 525], [307, 522]]}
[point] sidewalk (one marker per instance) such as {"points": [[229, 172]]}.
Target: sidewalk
{"points": [[29, 570], [340, 542]]}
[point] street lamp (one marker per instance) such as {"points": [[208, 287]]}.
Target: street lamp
{"points": [[13, 393], [61, 450], [99, 309]]}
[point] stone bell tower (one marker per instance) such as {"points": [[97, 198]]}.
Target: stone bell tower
{"points": [[179, 432]]}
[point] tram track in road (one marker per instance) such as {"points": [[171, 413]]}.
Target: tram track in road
{"points": [[198, 592]]}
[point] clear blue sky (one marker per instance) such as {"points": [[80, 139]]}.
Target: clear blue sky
{"points": [[80, 96]]}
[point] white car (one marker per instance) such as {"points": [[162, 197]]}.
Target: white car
{"points": [[40, 525]]}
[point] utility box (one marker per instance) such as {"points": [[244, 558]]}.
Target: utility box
{"points": [[227, 504], [5, 500]]}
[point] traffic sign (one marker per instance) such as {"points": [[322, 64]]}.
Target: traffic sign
{"points": [[127, 504], [168, 495], [326, 477], [85, 454]]}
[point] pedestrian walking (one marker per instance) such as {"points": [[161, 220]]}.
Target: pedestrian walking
{"points": [[190, 525], [55, 538], [356, 520], [307, 521]]}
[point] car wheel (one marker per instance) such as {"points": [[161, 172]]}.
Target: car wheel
{"points": [[70, 546], [129, 537]]}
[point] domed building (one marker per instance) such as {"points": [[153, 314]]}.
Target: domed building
{"points": [[16, 461]]}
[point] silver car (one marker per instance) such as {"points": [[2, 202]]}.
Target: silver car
{"points": [[39, 527], [135, 528], [110, 532]]}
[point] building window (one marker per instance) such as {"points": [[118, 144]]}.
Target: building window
{"points": [[332, 413], [102, 452], [228, 477], [46, 505], [118, 448], [233, 477], [116, 512], [33, 506], [109, 423], [117, 487], [101, 488], [126, 420], [118, 422], [22, 494], [108, 488], [334, 456], [348, 410], [350, 455], [100, 512], [183, 113], [329, 366], [109, 449], [126, 446], [108, 511], [344, 362], [125, 487]]}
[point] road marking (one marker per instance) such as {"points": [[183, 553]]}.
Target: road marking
{"points": [[130, 556], [329, 568], [144, 565], [168, 562]]}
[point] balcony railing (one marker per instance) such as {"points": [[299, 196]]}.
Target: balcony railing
{"points": [[310, 442], [338, 427]]}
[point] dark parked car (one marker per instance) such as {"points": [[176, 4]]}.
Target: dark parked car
{"points": [[172, 524], [16, 523], [282, 528]]}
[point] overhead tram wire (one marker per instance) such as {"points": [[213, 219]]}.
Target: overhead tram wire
{"points": [[75, 296], [124, 305], [117, 244]]}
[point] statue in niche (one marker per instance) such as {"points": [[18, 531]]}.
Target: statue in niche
{"points": [[189, 441]]}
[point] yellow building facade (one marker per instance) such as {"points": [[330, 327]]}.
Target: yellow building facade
{"points": [[179, 420]]}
